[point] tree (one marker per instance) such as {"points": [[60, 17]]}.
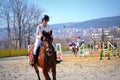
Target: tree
{"points": [[33, 19], [17, 6], [5, 14], [20, 19]]}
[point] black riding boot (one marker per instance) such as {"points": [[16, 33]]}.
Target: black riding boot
{"points": [[56, 58], [35, 60], [55, 55]]}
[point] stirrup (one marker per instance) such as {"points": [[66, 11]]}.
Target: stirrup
{"points": [[33, 63]]}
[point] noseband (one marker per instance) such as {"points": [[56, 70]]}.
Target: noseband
{"points": [[48, 50]]}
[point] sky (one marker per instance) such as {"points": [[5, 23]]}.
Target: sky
{"points": [[63, 11]]}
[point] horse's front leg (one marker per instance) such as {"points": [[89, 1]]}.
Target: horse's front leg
{"points": [[37, 71], [46, 75], [54, 72]]}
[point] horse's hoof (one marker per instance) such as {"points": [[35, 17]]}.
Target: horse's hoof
{"points": [[75, 56], [100, 58], [108, 58]]}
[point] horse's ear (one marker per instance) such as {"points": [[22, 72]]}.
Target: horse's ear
{"points": [[43, 32], [50, 32]]}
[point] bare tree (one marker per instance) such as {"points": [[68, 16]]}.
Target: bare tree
{"points": [[27, 17], [5, 14], [33, 19], [15, 34], [23, 18], [19, 9]]}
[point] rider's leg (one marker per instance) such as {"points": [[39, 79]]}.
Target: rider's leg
{"points": [[37, 44], [54, 48]]}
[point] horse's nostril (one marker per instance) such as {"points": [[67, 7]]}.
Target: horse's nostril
{"points": [[47, 52]]}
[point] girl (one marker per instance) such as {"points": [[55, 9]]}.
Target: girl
{"points": [[41, 27]]}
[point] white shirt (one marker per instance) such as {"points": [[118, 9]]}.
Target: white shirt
{"points": [[78, 41], [41, 28]]}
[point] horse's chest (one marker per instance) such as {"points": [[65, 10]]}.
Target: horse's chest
{"points": [[43, 60], [48, 60]]}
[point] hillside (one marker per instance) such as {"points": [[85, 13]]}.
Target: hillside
{"points": [[106, 22], [63, 33]]}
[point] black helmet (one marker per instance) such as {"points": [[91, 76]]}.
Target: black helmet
{"points": [[46, 18]]}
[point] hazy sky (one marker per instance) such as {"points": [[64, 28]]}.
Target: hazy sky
{"points": [[62, 11]]}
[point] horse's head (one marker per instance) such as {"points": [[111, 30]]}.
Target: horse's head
{"points": [[47, 36], [47, 42]]}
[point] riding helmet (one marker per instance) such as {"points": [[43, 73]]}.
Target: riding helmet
{"points": [[46, 18]]}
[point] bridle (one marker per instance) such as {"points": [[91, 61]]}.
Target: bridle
{"points": [[47, 44]]}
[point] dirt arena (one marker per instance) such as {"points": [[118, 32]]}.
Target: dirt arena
{"points": [[71, 68]]}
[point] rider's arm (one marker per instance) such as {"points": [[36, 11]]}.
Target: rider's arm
{"points": [[38, 32], [38, 35]]}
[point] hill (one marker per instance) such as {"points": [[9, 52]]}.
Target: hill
{"points": [[106, 22]]}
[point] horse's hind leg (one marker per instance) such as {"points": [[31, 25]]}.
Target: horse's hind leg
{"points": [[37, 71]]}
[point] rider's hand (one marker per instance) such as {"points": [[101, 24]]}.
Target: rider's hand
{"points": [[38, 35]]}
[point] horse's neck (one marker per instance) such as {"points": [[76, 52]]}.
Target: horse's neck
{"points": [[42, 50]]}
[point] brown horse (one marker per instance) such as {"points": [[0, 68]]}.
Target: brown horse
{"points": [[46, 57], [75, 50]]}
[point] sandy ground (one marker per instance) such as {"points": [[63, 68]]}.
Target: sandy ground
{"points": [[71, 68]]}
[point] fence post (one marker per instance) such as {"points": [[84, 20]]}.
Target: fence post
{"points": [[108, 44], [59, 52], [81, 50], [101, 50]]}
